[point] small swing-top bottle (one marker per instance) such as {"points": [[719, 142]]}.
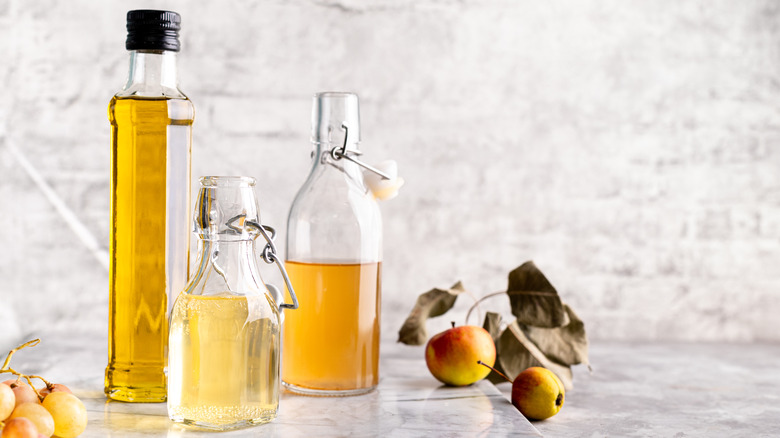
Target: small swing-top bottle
{"points": [[223, 365]]}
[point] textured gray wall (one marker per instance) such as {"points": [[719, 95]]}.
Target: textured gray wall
{"points": [[630, 148]]}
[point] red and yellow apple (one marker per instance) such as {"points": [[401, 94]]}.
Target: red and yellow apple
{"points": [[537, 393], [452, 355]]}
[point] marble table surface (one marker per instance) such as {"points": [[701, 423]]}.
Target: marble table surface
{"points": [[672, 390], [409, 402], [663, 389]]}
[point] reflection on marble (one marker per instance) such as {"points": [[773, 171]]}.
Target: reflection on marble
{"points": [[408, 402]]}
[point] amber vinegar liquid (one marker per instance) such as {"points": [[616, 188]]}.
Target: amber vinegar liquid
{"points": [[150, 227], [224, 367], [331, 342]]}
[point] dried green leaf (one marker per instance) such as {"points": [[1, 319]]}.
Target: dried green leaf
{"points": [[433, 303], [513, 357], [516, 353], [493, 325], [567, 345], [533, 299]]}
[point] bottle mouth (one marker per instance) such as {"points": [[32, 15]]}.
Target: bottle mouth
{"points": [[335, 95], [227, 181], [224, 206], [332, 111]]}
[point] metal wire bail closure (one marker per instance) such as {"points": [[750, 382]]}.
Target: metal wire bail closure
{"points": [[269, 256], [339, 152]]}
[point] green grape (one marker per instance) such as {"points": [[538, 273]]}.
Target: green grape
{"points": [[69, 413], [7, 401], [23, 392], [36, 413], [56, 387], [19, 428]]}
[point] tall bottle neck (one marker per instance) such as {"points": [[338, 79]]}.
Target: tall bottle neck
{"points": [[153, 73]]}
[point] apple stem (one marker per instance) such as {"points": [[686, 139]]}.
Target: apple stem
{"points": [[453, 324], [495, 370]]}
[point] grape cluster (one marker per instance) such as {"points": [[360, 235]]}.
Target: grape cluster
{"points": [[27, 412]]}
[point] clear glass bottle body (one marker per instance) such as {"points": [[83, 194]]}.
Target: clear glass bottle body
{"points": [[223, 366], [151, 131], [334, 255]]}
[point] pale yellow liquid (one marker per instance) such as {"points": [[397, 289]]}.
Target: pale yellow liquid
{"points": [[149, 247], [331, 342], [223, 369]]}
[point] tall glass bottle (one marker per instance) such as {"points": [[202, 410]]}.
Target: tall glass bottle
{"points": [[223, 367], [151, 128], [334, 255]]}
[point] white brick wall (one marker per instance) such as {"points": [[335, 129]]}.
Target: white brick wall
{"points": [[630, 148]]}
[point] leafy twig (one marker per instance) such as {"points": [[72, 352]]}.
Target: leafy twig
{"points": [[512, 292], [494, 294]]}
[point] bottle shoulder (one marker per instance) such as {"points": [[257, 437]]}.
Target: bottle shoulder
{"points": [[147, 91], [171, 110], [334, 217], [332, 202], [225, 305]]}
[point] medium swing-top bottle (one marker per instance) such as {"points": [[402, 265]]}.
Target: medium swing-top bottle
{"points": [[334, 257]]}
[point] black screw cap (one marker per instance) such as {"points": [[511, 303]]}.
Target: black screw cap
{"points": [[153, 30]]}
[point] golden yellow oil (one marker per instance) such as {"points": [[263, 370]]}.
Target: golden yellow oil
{"points": [[149, 247], [331, 342], [223, 369]]}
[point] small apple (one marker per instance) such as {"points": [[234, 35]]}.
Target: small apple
{"points": [[452, 355], [537, 393]]}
